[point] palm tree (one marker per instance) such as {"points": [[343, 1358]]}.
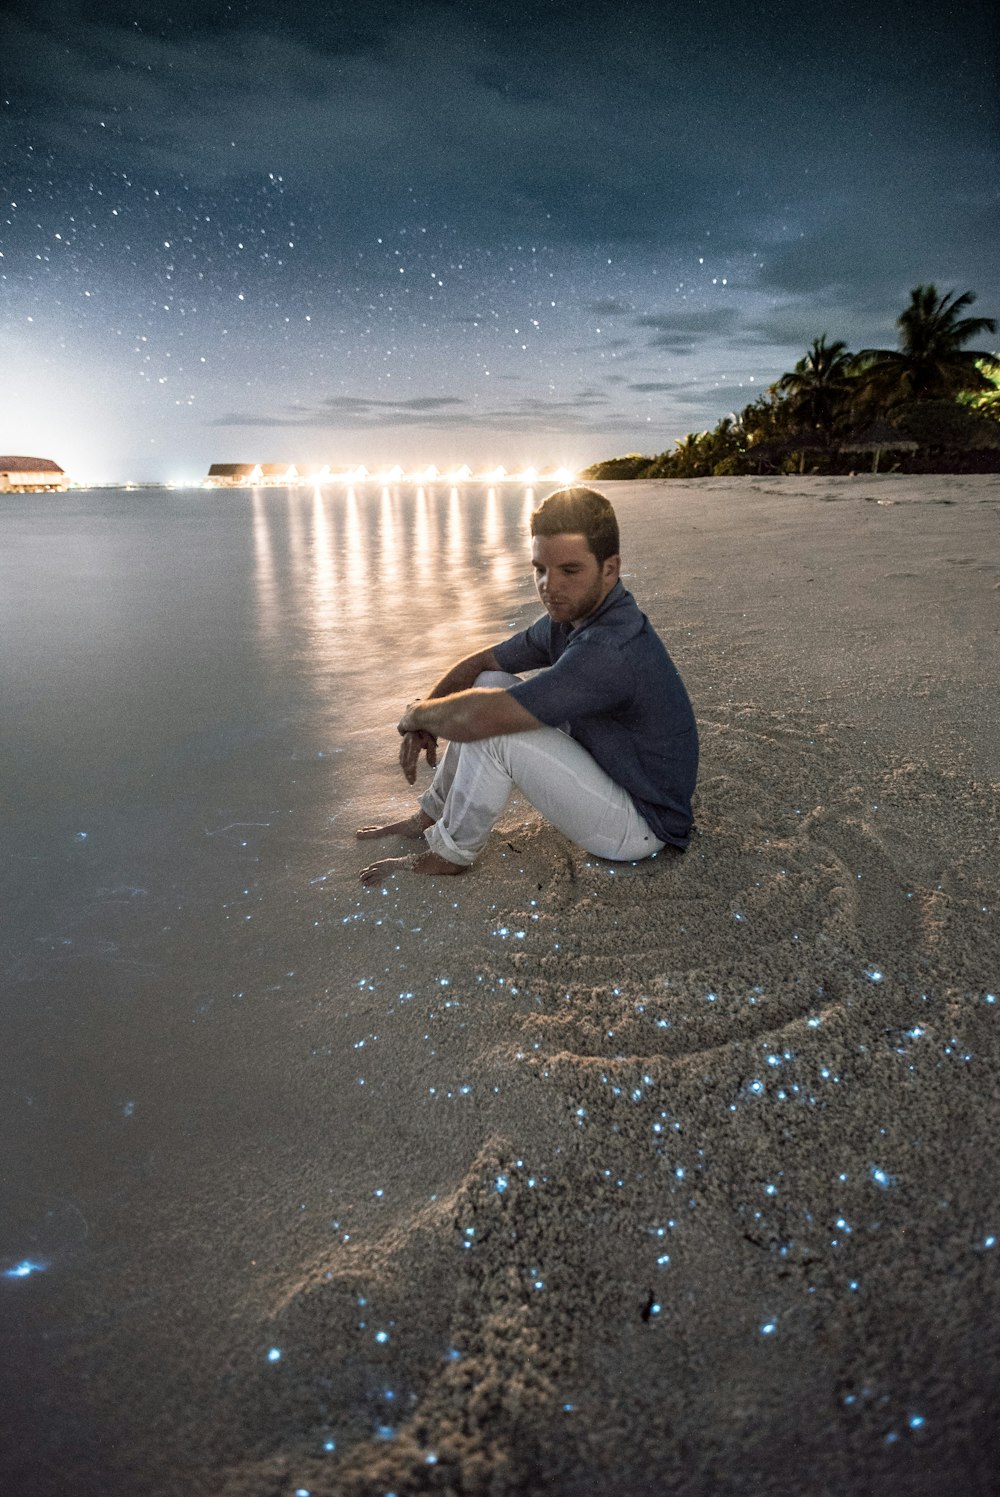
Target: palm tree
{"points": [[817, 388], [931, 362]]}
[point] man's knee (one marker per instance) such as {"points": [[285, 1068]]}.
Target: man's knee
{"points": [[497, 678]]}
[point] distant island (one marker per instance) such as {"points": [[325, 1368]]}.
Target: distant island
{"points": [[932, 405]]}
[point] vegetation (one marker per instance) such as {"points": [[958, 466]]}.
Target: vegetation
{"points": [[938, 398]]}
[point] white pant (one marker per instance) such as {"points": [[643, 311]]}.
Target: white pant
{"points": [[552, 771]]}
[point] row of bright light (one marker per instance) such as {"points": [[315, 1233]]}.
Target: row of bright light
{"points": [[430, 474]]}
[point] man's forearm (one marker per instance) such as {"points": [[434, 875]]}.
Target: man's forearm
{"points": [[465, 716]]}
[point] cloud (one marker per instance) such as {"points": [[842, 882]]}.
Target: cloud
{"points": [[356, 413], [611, 307], [649, 387]]}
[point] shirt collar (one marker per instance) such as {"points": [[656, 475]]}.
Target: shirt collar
{"points": [[616, 595]]}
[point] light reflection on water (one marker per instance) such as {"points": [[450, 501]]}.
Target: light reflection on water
{"points": [[392, 580], [176, 645]]}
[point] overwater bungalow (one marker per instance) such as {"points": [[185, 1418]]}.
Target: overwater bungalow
{"points": [[278, 475], [233, 475], [31, 475]]}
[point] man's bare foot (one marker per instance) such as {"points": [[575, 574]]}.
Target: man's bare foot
{"points": [[424, 862], [412, 826]]}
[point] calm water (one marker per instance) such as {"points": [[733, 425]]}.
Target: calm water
{"points": [[166, 660], [199, 695]]}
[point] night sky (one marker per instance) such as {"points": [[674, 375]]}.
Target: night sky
{"points": [[433, 231]]}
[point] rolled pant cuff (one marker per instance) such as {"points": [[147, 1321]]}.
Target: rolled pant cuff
{"points": [[438, 841]]}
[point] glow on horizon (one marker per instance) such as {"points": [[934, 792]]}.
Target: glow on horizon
{"points": [[320, 478]]}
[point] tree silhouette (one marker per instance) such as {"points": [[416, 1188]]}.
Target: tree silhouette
{"points": [[818, 388], [931, 362]]}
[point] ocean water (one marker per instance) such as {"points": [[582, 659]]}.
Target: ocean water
{"points": [[200, 692]]}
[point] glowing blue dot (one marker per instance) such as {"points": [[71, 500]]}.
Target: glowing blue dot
{"points": [[301, 1492], [24, 1269], [774, 1060], [663, 1259], [990, 998], [454, 1354], [874, 974], [430, 1458], [814, 1022], [500, 1184], [381, 1337], [756, 1087], [568, 1408], [989, 1242], [274, 1355], [916, 1421], [769, 1327], [329, 1445], [881, 1177]]}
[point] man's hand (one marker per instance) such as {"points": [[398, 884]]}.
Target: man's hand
{"points": [[416, 742]]}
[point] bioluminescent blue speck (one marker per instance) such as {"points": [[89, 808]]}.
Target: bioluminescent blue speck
{"points": [[24, 1269]]}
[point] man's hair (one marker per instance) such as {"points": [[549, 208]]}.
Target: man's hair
{"points": [[577, 511]]}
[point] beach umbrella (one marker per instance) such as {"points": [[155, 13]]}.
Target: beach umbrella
{"points": [[878, 438], [802, 442]]}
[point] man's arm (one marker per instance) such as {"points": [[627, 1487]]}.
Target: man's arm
{"points": [[465, 716], [460, 677]]}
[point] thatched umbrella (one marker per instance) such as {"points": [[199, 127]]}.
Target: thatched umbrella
{"points": [[878, 438], [803, 442], [800, 442]]}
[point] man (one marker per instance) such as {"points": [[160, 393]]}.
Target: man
{"points": [[602, 741]]}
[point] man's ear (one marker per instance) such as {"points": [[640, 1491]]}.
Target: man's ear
{"points": [[611, 568]]}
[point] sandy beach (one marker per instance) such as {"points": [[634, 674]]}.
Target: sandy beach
{"points": [[577, 1178]]}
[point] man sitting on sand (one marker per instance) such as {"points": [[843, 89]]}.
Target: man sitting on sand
{"points": [[602, 741]]}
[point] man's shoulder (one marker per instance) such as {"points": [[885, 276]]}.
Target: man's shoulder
{"points": [[617, 624]]}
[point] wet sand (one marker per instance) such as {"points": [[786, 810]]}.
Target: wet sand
{"points": [[576, 1178]]}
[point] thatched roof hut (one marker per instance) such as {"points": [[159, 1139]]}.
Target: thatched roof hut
{"points": [[30, 475], [878, 438], [233, 475]]}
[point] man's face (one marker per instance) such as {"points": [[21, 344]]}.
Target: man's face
{"points": [[571, 582]]}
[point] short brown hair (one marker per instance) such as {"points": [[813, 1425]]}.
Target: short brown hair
{"points": [[577, 511]]}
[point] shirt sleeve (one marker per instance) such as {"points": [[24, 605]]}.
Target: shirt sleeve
{"points": [[588, 680], [527, 651]]}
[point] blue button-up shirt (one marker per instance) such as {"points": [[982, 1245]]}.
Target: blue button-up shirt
{"points": [[613, 684]]}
